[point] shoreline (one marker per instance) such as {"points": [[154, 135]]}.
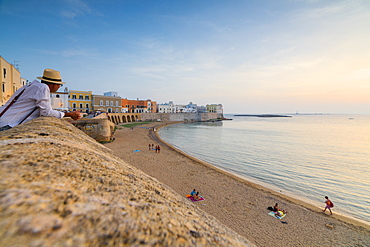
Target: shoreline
{"points": [[291, 199], [235, 201]]}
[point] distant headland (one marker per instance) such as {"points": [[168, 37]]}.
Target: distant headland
{"points": [[261, 115]]}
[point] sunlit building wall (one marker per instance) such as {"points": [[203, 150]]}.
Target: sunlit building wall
{"points": [[215, 108], [110, 104], [80, 101], [11, 80], [138, 106]]}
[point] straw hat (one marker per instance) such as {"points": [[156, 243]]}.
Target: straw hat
{"points": [[52, 76]]}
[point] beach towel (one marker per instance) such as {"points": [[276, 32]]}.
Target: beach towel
{"points": [[135, 151], [276, 216], [193, 200]]}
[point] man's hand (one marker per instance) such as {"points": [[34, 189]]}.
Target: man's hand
{"points": [[75, 115]]}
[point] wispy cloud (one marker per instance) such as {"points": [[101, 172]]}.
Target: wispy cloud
{"points": [[72, 52], [74, 8]]}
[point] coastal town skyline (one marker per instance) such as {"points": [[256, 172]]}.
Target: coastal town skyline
{"points": [[252, 57]]}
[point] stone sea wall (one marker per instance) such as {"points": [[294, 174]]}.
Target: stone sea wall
{"points": [[177, 117], [59, 187]]}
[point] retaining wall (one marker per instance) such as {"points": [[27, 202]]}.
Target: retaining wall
{"points": [[176, 117], [59, 187]]}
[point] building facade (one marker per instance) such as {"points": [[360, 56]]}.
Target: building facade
{"points": [[138, 106], [110, 104], [189, 108], [215, 108], [80, 101], [166, 107], [11, 80], [59, 100]]}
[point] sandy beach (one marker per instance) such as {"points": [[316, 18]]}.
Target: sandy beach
{"points": [[238, 204]]}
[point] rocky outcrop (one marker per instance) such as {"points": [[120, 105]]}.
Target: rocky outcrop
{"points": [[59, 187]]}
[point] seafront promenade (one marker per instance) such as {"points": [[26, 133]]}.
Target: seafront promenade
{"points": [[237, 203]]}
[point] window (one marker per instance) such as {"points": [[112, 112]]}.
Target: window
{"points": [[111, 103], [101, 103], [4, 72], [3, 87], [87, 106], [74, 105], [116, 103], [107, 103], [74, 96], [57, 96], [87, 97], [81, 106], [81, 97]]}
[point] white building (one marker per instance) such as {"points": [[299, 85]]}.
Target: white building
{"points": [[166, 107], [201, 109], [189, 108], [59, 100]]}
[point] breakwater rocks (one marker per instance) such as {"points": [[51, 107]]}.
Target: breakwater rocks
{"points": [[59, 187]]}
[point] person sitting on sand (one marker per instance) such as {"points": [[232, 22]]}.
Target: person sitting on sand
{"points": [[329, 205], [193, 192], [278, 211], [196, 196]]}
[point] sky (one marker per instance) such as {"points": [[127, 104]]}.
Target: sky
{"points": [[251, 56]]}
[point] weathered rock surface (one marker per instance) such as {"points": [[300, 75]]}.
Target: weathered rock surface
{"points": [[59, 187]]}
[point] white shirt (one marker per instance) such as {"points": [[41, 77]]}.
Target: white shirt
{"points": [[37, 94]]}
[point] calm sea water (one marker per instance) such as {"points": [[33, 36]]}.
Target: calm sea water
{"points": [[306, 156]]}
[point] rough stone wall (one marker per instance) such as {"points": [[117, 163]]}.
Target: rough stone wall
{"points": [[176, 117], [59, 187]]}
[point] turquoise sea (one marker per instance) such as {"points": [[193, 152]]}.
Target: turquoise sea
{"points": [[305, 156]]}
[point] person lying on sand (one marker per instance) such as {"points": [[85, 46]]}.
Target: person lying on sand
{"points": [[278, 211], [196, 196]]}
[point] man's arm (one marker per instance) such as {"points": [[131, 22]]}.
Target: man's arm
{"points": [[75, 115]]}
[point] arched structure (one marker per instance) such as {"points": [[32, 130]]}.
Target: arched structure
{"points": [[117, 118]]}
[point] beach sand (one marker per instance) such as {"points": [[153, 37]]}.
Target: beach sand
{"points": [[237, 203]]}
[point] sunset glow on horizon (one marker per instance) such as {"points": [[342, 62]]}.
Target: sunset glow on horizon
{"points": [[251, 56]]}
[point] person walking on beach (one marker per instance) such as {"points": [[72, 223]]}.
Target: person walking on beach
{"points": [[158, 149], [33, 101], [329, 205]]}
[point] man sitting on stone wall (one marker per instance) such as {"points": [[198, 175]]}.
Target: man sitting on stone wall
{"points": [[32, 101]]}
